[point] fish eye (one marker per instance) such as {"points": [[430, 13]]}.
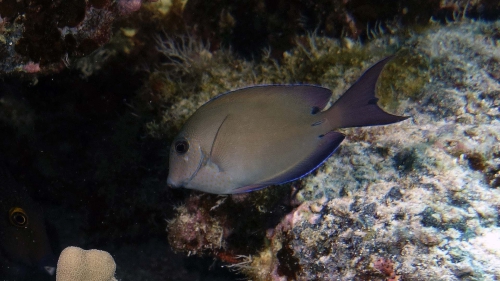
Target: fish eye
{"points": [[181, 146], [18, 217]]}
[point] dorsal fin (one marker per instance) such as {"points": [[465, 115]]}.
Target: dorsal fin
{"points": [[311, 96]]}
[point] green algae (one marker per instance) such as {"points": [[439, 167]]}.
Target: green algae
{"points": [[404, 78]]}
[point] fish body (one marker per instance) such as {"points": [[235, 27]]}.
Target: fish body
{"points": [[23, 236], [253, 137]]}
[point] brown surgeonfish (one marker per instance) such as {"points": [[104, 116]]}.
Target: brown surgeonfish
{"points": [[258, 136], [23, 236]]}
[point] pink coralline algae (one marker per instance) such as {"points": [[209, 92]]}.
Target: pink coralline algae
{"points": [[386, 267], [128, 6], [31, 67]]}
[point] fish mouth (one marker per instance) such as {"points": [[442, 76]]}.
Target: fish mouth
{"points": [[171, 183]]}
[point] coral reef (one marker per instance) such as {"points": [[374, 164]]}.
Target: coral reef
{"points": [[76, 264], [56, 35], [53, 35], [418, 200], [203, 225], [48, 33], [275, 24]]}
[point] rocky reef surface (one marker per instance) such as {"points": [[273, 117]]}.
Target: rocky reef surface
{"points": [[424, 193], [412, 201]]}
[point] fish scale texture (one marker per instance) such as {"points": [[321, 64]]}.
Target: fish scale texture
{"points": [[423, 194]]}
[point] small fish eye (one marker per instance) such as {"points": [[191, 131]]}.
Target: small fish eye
{"points": [[18, 217], [181, 146]]}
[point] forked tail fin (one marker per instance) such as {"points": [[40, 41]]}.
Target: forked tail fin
{"points": [[357, 107]]}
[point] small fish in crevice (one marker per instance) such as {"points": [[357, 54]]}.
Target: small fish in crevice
{"points": [[258, 136], [23, 236]]}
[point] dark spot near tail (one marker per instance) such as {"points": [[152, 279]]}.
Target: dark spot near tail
{"points": [[314, 110]]}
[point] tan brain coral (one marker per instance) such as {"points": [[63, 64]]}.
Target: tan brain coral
{"points": [[76, 264]]}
